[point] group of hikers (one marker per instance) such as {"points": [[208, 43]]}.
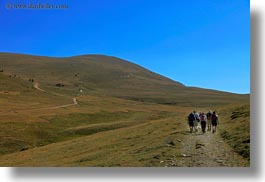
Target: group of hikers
{"points": [[210, 120]]}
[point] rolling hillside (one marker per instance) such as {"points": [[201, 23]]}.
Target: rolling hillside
{"points": [[124, 115], [113, 77]]}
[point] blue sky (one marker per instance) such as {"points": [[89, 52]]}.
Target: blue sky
{"points": [[202, 43]]}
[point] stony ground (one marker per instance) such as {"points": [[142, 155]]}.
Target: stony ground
{"points": [[205, 150]]}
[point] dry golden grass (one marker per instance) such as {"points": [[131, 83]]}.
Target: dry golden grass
{"points": [[125, 116], [130, 146], [235, 128]]}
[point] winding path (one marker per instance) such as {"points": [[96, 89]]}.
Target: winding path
{"points": [[36, 86]]}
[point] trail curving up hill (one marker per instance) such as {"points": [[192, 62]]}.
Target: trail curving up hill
{"points": [[36, 86]]}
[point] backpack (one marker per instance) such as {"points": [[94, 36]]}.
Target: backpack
{"points": [[203, 117], [191, 117], [196, 116], [214, 117], [209, 115]]}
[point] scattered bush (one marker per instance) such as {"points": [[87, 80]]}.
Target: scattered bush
{"points": [[59, 85]]}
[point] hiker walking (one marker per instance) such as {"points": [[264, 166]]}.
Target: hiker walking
{"points": [[215, 121], [203, 118], [191, 119], [209, 120], [200, 114], [196, 121]]}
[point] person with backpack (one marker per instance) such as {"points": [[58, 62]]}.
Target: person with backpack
{"points": [[196, 121], [215, 121], [203, 119], [200, 114], [191, 119], [209, 120]]}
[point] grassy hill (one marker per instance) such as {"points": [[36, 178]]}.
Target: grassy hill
{"points": [[20, 94], [125, 116], [143, 138], [111, 76], [236, 128]]}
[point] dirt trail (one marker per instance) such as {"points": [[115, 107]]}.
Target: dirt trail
{"points": [[62, 106], [36, 85], [208, 150]]}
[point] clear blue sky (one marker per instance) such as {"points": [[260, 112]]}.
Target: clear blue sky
{"points": [[202, 43]]}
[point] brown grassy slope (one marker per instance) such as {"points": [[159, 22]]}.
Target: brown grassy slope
{"points": [[235, 128], [101, 130], [21, 105], [146, 143], [136, 145], [96, 117], [17, 94], [111, 76], [26, 122]]}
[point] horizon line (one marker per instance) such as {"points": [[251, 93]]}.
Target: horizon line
{"points": [[124, 59]]}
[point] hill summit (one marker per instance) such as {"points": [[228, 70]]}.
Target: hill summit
{"points": [[111, 76]]}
